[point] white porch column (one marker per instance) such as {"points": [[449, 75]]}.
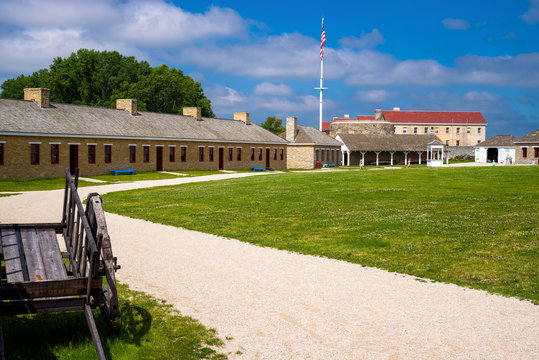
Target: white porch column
{"points": [[391, 152], [420, 153], [377, 155], [363, 157], [406, 158]]}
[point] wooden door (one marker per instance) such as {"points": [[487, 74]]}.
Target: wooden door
{"points": [[268, 158], [73, 158], [159, 158], [221, 158]]}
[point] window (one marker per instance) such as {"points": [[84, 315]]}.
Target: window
{"points": [[146, 153], [238, 156], [201, 153], [458, 130], [479, 130], [436, 130], [172, 153], [230, 154], [536, 153], [259, 153], [274, 153], [426, 130], [447, 142], [132, 154], [317, 155], [91, 154], [525, 152], [108, 154], [415, 130], [282, 154], [468, 130], [34, 154], [404, 130], [55, 153], [447, 130], [1, 153], [478, 141], [458, 142], [183, 154], [252, 153], [210, 155]]}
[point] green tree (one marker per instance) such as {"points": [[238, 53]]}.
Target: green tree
{"points": [[274, 125], [98, 78]]}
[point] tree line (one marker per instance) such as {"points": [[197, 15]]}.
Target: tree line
{"points": [[98, 78]]}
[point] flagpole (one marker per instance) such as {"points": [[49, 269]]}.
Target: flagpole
{"points": [[321, 88]]}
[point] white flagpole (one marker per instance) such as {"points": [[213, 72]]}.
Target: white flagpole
{"points": [[321, 88]]}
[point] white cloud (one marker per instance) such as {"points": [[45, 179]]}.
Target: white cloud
{"points": [[371, 39], [532, 15], [456, 24], [267, 88], [375, 96]]}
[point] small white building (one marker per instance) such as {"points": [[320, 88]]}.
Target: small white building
{"points": [[496, 149]]}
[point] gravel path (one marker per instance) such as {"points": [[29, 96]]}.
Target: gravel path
{"points": [[280, 305]]}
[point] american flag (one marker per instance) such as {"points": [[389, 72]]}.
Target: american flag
{"points": [[322, 41]]}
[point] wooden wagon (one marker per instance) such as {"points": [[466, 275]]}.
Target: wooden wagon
{"points": [[37, 277]]}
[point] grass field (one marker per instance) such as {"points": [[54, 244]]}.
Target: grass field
{"points": [[150, 330], [477, 227]]}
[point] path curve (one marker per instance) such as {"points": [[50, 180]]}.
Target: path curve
{"points": [[280, 305]]}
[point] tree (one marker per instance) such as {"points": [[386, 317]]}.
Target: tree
{"points": [[98, 78], [274, 125]]}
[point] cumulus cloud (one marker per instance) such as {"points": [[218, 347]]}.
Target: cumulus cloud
{"points": [[532, 15], [267, 88], [371, 39], [375, 96], [456, 24]]}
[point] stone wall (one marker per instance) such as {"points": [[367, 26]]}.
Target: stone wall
{"points": [[460, 152], [361, 127], [306, 156], [530, 158], [17, 156], [448, 134]]}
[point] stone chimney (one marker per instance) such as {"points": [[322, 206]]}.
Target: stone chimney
{"points": [[195, 112], [378, 115], [291, 125], [346, 116], [127, 104], [396, 109], [243, 116], [39, 95]]}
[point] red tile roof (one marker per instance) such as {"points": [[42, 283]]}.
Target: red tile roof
{"points": [[359, 117], [326, 125], [440, 117]]}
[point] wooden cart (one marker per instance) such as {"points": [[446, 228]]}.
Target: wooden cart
{"points": [[37, 277]]}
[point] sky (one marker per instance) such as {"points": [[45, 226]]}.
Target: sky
{"points": [[263, 57]]}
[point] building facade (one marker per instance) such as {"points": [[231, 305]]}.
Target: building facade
{"points": [[527, 148], [309, 147], [39, 139], [496, 149]]}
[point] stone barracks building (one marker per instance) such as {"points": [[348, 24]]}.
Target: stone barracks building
{"points": [[40, 139]]}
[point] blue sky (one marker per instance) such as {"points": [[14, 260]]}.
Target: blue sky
{"points": [[263, 57]]}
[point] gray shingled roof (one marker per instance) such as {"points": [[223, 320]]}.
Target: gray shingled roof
{"points": [[397, 142], [499, 140], [19, 116], [310, 135], [532, 137]]}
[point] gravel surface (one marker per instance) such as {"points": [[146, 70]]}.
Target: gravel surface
{"points": [[280, 305]]}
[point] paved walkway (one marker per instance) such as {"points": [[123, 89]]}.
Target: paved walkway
{"points": [[280, 305]]}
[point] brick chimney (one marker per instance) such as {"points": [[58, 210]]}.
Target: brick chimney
{"points": [[39, 95], [243, 116], [127, 104], [378, 115], [291, 124], [195, 112]]}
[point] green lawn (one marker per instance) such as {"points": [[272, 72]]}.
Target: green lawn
{"points": [[477, 227], [150, 330]]}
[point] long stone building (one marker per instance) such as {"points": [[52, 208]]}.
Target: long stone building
{"points": [[527, 148], [40, 139]]}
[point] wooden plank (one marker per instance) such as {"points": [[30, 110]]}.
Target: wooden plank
{"points": [[13, 257], [32, 254], [57, 226], [49, 288], [93, 331], [52, 257], [42, 306]]}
